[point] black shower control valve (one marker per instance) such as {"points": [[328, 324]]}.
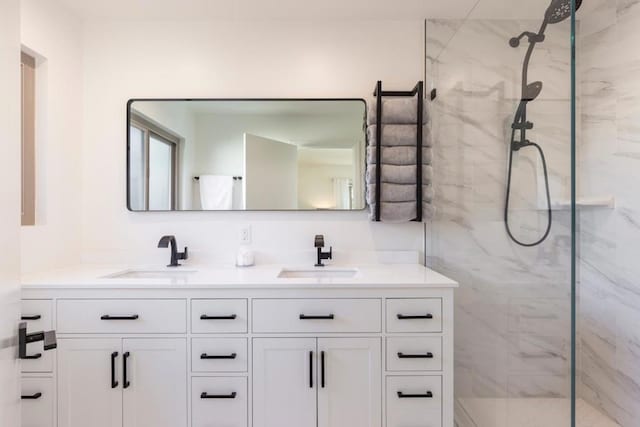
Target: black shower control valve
{"points": [[517, 145], [520, 125]]}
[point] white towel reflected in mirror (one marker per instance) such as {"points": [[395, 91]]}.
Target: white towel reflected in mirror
{"points": [[216, 192]]}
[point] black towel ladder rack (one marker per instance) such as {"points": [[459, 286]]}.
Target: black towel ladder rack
{"points": [[378, 93]]}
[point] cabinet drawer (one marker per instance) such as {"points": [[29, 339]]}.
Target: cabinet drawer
{"points": [[219, 355], [37, 402], [211, 316], [122, 316], [221, 399], [414, 401], [414, 353], [316, 315], [414, 315], [38, 315]]}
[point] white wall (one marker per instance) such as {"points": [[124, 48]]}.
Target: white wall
{"points": [[234, 59], [55, 35], [9, 210], [315, 184]]}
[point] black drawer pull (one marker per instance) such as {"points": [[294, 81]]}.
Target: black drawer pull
{"points": [[33, 356], [114, 383], [218, 356], [428, 355], [207, 317], [109, 317], [427, 395], [311, 369], [206, 395], [322, 368], [32, 317], [409, 317], [35, 396], [125, 380], [326, 317]]}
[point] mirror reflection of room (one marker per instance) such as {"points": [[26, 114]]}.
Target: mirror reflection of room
{"points": [[246, 155]]}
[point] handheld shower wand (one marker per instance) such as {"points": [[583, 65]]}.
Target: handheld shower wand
{"points": [[558, 11]]}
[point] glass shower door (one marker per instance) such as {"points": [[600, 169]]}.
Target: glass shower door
{"points": [[502, 120]]}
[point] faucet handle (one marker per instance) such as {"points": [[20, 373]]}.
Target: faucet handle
{"points": [[184, 255], [319, 241]]}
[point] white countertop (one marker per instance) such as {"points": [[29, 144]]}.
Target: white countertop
{"points": [[229, 276]]}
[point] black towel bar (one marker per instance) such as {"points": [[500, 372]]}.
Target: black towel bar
{"points": [[235, 178]]}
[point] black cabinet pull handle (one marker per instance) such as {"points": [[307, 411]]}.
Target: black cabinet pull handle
{"points": [[427, 395], [34, 396], [125, 380], [114, 383], [322, 369], [311, 369], [218, 356], [207, 317], [325, 317], [408, 317], [33, 356], [109, 317], [428, 355], [31, 317], [206, 395]]}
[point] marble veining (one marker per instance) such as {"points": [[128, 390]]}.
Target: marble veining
{"points": [[608, 148]]}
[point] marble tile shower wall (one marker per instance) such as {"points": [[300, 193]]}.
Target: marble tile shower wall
{"points": [[609, 164], [513, 305]]}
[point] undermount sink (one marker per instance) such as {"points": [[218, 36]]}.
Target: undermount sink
{"points": [[317, 273], [151, 274]]}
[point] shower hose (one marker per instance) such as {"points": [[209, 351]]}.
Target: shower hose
{"points": [[508, 195]]}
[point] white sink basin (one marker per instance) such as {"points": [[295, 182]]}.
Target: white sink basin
{"points": [[151, 274], [318, 273]]}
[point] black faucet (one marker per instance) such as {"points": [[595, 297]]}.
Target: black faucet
{"points": [[319, 244], [175, 255]]}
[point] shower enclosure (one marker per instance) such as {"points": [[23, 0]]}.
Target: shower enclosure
{"points": [[536, 156]]}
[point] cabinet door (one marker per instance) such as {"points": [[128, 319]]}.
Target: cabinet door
{"points": [[156, 395], [284, 382], [86, 396], [350, 382]]}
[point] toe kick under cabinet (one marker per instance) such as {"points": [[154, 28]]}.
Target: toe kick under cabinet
{"points": [[240, 357]]}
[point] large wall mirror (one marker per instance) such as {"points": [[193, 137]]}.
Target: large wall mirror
{"points": [[240, 154]]}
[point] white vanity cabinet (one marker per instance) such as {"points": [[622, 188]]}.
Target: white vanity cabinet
{"points": [[130, 382], [326, 382], [239, 355]]}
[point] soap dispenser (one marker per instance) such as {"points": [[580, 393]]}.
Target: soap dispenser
{"points": [[245, 257]]}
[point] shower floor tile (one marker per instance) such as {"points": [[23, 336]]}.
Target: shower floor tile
{"points": [[527, 412]]}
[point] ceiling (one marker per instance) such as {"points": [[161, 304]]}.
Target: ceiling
{"points": [[305, 9], [270, 9]]}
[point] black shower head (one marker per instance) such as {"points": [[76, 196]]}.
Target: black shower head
{"points": [[531, 91], [559, 10]]}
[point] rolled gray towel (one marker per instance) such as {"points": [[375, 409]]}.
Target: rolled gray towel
{"points": [[397, 111], [398, 155], [393, 174], [401, 212], [399, 193], [399, 135]]}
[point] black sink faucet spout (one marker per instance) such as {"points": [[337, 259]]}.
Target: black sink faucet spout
{"points": [[319, 244], [165, 241]]}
